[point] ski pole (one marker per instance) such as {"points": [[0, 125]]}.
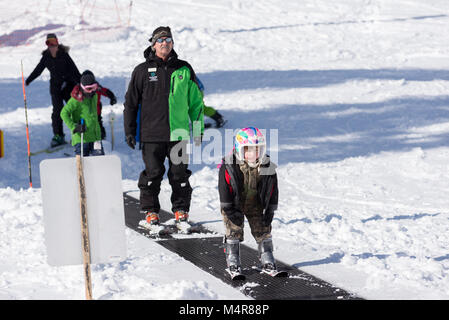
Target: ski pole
{"points": [[129, 15], [2, 153], [27, 130], [82, 136], [84, 222]]}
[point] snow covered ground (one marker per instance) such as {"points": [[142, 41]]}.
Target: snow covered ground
{"points": [[357, 89]]}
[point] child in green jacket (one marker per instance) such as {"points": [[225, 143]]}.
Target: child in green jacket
{"points": [[75, 111]]}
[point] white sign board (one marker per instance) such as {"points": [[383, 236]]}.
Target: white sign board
{"points": [[105, 210]]}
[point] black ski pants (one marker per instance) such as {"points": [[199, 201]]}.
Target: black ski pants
{"points": [[154, 155], [60, 92]]}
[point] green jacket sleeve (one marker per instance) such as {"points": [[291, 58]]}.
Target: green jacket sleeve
{"points": [[196, 107], [68, 114]]}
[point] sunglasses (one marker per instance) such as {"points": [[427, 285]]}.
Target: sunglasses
{"points": [[90, 88], [168, 40]]}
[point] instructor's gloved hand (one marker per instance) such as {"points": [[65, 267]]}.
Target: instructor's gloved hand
{"points": [[131, 141], [113, 100], [80, 128]]}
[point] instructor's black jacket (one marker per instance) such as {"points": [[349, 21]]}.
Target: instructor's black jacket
{"points": [[150, 87]]}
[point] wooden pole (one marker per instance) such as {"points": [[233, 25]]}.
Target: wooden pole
{"points": [[84, 228]]}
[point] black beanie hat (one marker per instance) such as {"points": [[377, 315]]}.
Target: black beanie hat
{"points": [[160, 32], [51, 39], [87, 72], [87, 78]]}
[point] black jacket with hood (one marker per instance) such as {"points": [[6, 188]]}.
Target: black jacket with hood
{"points": [[151, 86], [230, 187], [62, 69]]}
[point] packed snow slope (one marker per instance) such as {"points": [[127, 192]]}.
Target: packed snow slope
{"points": [[354, 98]]}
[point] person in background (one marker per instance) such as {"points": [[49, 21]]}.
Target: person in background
{"points": [[64, 75]]}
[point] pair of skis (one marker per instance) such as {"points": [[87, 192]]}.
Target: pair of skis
{"points": [[165, 229]]}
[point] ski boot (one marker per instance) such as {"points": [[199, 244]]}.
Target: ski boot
{"points": [[182, 221], [153, 224], [181, 216], [152, 218], [268, 265], [57, 141], [218, 118], [265, 249], [151, 221], [232, 252]]}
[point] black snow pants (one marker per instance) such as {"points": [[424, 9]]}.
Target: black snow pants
{"points": [[60, 92], [154, 154]]}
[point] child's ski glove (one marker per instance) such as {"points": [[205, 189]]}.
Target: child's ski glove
{"points": [[80, 128]]}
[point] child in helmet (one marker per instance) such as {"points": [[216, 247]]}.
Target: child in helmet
{"points": [[247, 185], [81, 118]]}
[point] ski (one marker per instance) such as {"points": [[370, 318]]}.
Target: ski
{"points": [[159, 230], [236, 275], [49, 150], [164, 229], [188, 228], [273, 273], [276, 273]]}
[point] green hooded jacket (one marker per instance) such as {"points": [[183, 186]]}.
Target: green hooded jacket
{"points": [[169, 97], [74, 111]]}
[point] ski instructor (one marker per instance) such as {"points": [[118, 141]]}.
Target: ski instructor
{"points": [[166, 91]]}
